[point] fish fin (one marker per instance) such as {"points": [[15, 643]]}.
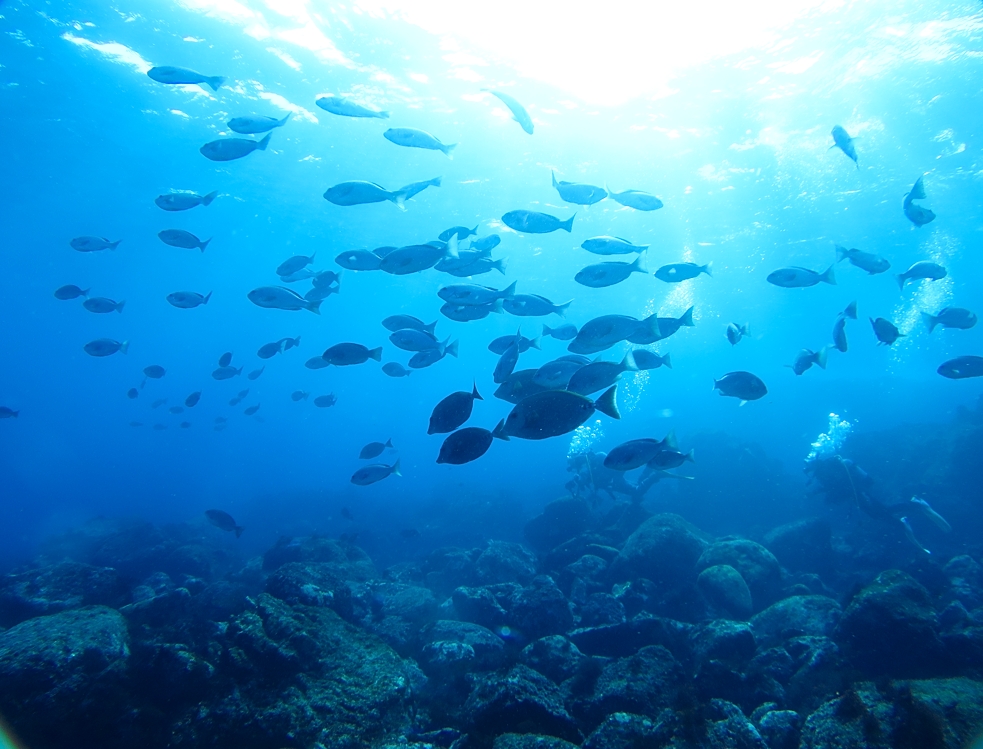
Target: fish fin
{"points": [[452, 349], [238, 529], [474, 232], [435, 182], [561, 309], [828, 276], [850, 311], [394, 469], [930, 320], [474, 392], [285, 120], [628, 363], [85, 292], [452, 246], [430, 328], [553, 175], [917, 190], [568, 224], [499, 431], [547, 331], [215, 82], [207, 297], [687, 318], [742, 403], [535, 343], [449, 150], [901, 280], [315, 307], [841, 253], [501, 264], [666, 362], [821, 357], [207, 199], [123, 348], [509, 291], [607, 404], [120, 305], [708, 269], [389, 442], [639, 265], [497, 307], [376, 353], [670, 441], [261, 146], [204, 244], [114, 245]]}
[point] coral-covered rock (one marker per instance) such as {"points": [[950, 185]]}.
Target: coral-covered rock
{"points": [[601, 610], [820, 672], [347, 562], [757, 566], [728, 728], [725, 591], [796, 616], [723, 640], [48, 590], [448, 568], [622, 640], [781, 729]]}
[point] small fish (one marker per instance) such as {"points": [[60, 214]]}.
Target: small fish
{"points": [[578, 193], [962, 367], [372, 474], [806, 358], [843, 141], [885, 331], [183, 201], [182, 76], [71, 291], [132, 393], [101, 305], [154, 371], [923, 269], [599, 375], [867, 261], [251, 410], [532, 222], [343, 107], [192, 400], [554, 412], [225, 359], [410, 137], [453, 411], [640, 201], [269, 350], [361, 193], [325, 401], [347, 354], [254, 375], [226, 373], [910, 534], [93, 244], [916, 214], [105, 347], [564, 332], [325, 279], [461, 232], [645, 359], [470, 312], [533, 305], [840, 342], [467, 266], [485, 244], [375, 449], [413, 340], [654, 328], [278, 297], [230, 149], [555, 375], [176, 410], [611, 246], [188, 299], [358, 260], [677, 272], [299, 395], [395, 369], [183, 239], [472, 294], [158, 403], [394, 323], [502, 343], [519, 113], [742, 385], [736, 332], [256, 125], [427, 358], [950, 317], [8, 413], [417, 257], [415, 188], [293, 264], [599, 275], [506, 364], [185, 425], [465, 445], [931, 514], [223, 521], [603, 332], [316, 362], [319, 294], [797, 278]]}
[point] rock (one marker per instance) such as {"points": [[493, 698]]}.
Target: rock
{"points": [[560, 521], [595, 544], [965, 577], [583, 577], [479, 606], [622, 640], [803, 546], [541, 609], [448, 568], [171, 673], [530, 741], [628, 731], [58, 587], [555, 657], [820, 672], [774, 663], [489, 651], [519, 701], [889, 628], [503, 562], [723, 640], [601, 610], [313, 584], [347, 562], [64, 674], [159, 611], [220, 601], [725, 591], [410, 603], [757, 566], [796, 616], [664, 549], [729, 729], [780, 729]]}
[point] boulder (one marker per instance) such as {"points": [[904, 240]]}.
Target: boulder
{"points": [[555, 657], [488, 649], [664, 549], [622, 640], [728, 728], [448, 568], [479, 605], [560, 521], [802, 546], [601, 610], [541, 609], [628, 731], [757, 566], [347, 562], [58, 587], [723, 640], [781, 729], [530, 741], [503, 562], [725, 591], [794, 617]]}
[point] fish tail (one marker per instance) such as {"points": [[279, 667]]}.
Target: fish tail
{"points": [[499, 431], [389, 442], [394, 470], [690, 456], [315, 307], [497, 307], [207, 199], [607, 404], [238, 529], [285, 120], [851, 311], [207, 297], [687, 318], [261, 146], [376, 353], [124, 347], [628, 363], [828, 276], [639, 265], [561, 309], [449, 150], [452, 349], [215, 82], [452, 244], [204, 244], [547, 331], [435, 182], [900, 278], [708, 269], [666, 362], [501, 264], [509, 291], [535, 343], [930, 320], [474, 392], [568, 224], [917, 190], [553, 176], [841, 253], [821, 357], [119, 307], [383, 115]]}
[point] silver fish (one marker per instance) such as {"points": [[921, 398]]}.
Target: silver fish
{"points": [[519, 113], [230, 149], [93, 244], [183, 239], [600, 275], [183, 201], [256, 125], [533, 222], [361, 193], [611, 246], [578, 193], [410, 137], [640, 201], [347, 108], [182, 76], [188, 299]]}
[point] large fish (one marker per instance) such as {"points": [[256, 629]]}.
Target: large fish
{"points": [[188, 299], [950, 317], [578, 193], [372, 474], [742, 385], [806, 358], [453, 411], [611, 246], [599, 375], [602, 333], [885, 331], [555, 375], [654, 328], [182, 76], [230, 149], [183, 239], [962, 367], [798, 278], [554, 412], [640, 201], [256, 125], [676, 272], [843, 141], [404, 322], [278, 297], [358, 260], [465, 445], [348, 354], [358, 192], [867, 261], [519, 113], [102, 305], [916, 214], [347, 108], [923, 269], [105, 347], [533, 305], [599, 275], [472, 294], [470, 312], [519, 386], [223, 521], [532, 222], [93, 244], [183, 201], [294, 264], [70, 291], [415, 188], [416, 258], [410, 137]]}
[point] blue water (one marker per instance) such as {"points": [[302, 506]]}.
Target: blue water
{"points": [[737, 150]]}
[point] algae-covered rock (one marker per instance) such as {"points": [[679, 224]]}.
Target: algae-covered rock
{"points": [[758, 566], [725, 590], [664, 549], [794, 617], [57, 587]]}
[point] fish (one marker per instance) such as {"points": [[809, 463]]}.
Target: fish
{"points": [[183, 201], [632, 454], [950, 317], [533, 305], [343, 107], [736, 332], [185, 425], [474, 295], [192, 400], [962, 367], [316, 362], [325, 401], [485, 244], [395, 369], [640, 201], [885, 331], [602, 333], [467, 266], [158, 403], [223, 521], [410, 137], [183, 76], [176, 410], [931, 514], [923, 269], [105, 347], [289, 343], [564, 332], [554, 412], [611, 246], [70, 291], [555, 375], [299, 395], [519, 386], [599, 275], [358, 260], [93, 244], [533, 222], [101, 305], [415, 188], [867, 261], [278, 297], [375, 449], [325, 279], [453, 411], [225, 359], [254, 375], [132, 393], [840, 342], [461, 232], [843, 141], [257, 125], [502, 343], [230, 149], [742, 385], [797, 278], [911, 536], [470, 312], [676, 272], [506, 364], [422, 359], [599, 375], [358, 192], [415, 258], [154, 371], [293, 264], [183, 239], [669, 455], [188, 299], [916, 214], [226, 373], [465, 445], [319, 294], [578, 193], [645, 359], [806, 358], [251, 410], [347, 354], [394, 323], [372, 474], [519, 113], [410, 339], [8, 413], [654, 328]]}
